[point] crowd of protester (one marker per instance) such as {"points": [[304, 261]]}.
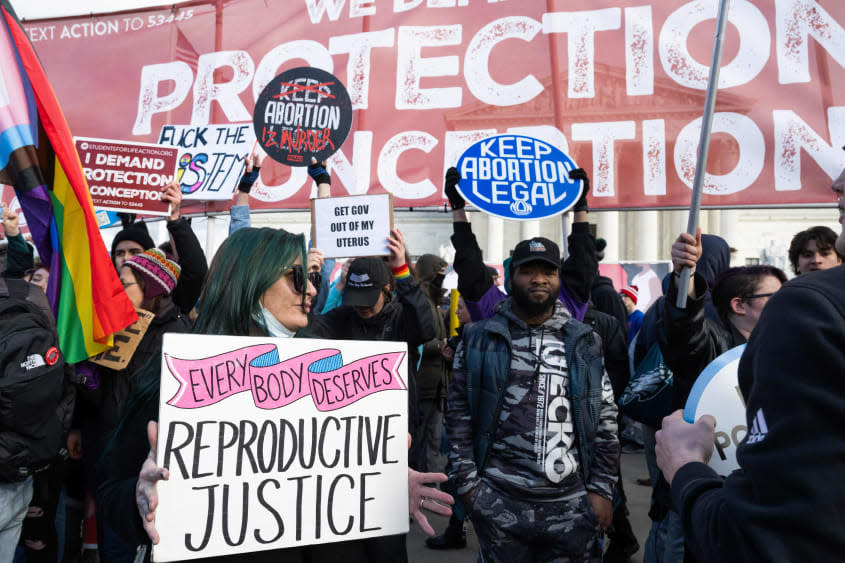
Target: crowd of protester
{"points": [[517, 404]]}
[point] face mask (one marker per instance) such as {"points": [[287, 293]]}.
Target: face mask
{"points": [[273, 327]]}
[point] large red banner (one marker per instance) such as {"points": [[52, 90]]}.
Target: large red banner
{"points": [[617, 84]]}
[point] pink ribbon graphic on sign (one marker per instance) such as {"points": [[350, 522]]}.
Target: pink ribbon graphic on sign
{"points": [[274, 383]]}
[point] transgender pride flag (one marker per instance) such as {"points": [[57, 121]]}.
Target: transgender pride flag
{"points": [[38, 158]]}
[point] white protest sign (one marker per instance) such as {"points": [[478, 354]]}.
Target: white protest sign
{"points": [[279, 442], [343, 227], [211, 157], [716, 392]]}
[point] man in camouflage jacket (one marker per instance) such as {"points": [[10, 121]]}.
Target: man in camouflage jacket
{"points": [[532, 422]]}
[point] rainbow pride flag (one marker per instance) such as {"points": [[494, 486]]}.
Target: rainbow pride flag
{"points": [[38, 158]]}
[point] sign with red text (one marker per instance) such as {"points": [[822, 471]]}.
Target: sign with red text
{"points": [[618, 86], [301, 114], [279, 442], [127, 177], [352, 226]]}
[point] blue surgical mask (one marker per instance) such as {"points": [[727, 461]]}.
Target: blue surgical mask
{"points": [[272, 325]]}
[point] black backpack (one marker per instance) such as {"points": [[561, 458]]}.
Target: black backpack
{"points": [[36, 396]]}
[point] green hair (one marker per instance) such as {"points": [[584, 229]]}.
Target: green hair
{"points": [[244, 268]]}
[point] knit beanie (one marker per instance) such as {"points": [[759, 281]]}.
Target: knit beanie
{"points": [[631, 291], [160, 274], [136, 232]]}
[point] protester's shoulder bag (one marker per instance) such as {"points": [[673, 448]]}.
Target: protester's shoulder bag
{"points": [[32, 384], [648, 396]]}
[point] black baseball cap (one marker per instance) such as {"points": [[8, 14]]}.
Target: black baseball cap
{"points": [[364, 281], [536, 249]]}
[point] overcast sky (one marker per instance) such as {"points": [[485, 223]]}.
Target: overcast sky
{"points": [[39, 9]]}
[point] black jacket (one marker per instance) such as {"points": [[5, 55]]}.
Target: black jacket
{"points": [[614, 347], [191, 260], [407, 318], [715, 259], [607, 300], [787, 502], [99, 410], [690, 340]]}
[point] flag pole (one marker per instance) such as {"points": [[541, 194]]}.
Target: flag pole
{"points": [[704, 142]]}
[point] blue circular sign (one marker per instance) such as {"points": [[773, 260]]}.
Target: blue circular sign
{"points": [[518, 177]]}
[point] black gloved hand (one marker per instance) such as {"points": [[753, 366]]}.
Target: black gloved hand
{"points": [[452, 179], [248, 179], [317, 170], [581, 174]]}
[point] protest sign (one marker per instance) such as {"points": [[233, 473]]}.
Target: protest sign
{"points": [[301, 113], [279, 442], [619, 86], [716, 392], [125, 343], [342, 227], [211, 157], [518, 177], [127, 177]]}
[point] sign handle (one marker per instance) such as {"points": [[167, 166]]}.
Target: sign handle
{"points": [[704, 142]]}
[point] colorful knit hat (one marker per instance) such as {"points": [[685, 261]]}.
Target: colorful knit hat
{"points": [[160, 274], [631, 291]]}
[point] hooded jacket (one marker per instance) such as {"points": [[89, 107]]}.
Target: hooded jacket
{"points": [[715, 259], [606, 299], [432, 373], [482, 373], [787, 500]]}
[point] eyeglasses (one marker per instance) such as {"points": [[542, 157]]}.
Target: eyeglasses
{"points": [[298, 274], [760, 295]]}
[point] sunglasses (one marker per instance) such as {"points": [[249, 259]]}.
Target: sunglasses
{"points": [[316, 278], [759, 295]]}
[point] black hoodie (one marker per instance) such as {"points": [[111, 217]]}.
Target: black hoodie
{"points": [[787, 502]]}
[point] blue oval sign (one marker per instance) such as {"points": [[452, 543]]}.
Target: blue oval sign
{"points": [[518, 177]]}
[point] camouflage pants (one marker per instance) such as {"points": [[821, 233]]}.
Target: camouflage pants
{"points": [[513, 531]]}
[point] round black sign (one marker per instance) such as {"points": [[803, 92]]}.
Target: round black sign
{"points": [[303, 112]]}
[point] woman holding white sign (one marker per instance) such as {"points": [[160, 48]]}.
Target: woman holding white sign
{"points": [[273, 300]]}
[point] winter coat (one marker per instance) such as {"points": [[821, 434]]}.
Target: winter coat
{"points": [[476, 393], [605, 298], [787, 500]]}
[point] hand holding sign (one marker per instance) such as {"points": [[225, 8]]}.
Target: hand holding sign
{"points": [[581, 204], [450, 188], [686, 251], [173, 194], [396, 245], [679, 442], [146, 495]]}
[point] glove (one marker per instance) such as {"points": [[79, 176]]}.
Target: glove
{"points": [[452, 179], [317, 170], [581, 174], [248, 179]]}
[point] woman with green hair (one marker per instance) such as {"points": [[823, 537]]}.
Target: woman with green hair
{"points": [[256, 286]]}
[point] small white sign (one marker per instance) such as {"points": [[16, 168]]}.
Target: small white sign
{"points": [[353, 226], [716, 392], [279, 442]]}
